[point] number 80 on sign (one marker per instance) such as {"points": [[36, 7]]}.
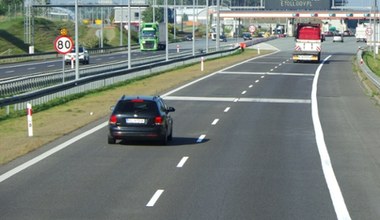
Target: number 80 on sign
{"points": [[63, 44]]}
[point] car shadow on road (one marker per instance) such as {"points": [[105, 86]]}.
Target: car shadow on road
{"points": [[176, 141]]}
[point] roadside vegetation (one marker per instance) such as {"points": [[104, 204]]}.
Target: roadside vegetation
{"points": [[372, 62]]}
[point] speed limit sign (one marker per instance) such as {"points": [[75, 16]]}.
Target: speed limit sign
{"points": [[63, 44]]}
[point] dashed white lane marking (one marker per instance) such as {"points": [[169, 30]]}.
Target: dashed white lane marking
{"points": [[155, 198], [10, 71], [236, 99], [227, 109], [332, 183], [182, 162], [200, 139], [250, 86], [257, 81], [51, 65], [262, 77], [31, 68], [243, 92], [215, 121]]}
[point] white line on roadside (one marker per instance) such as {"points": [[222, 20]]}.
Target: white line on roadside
{"points": [[49, 152], [200, 139], [215, 121], [332, 183], [155, 197], [51, 65], [182, 162]]}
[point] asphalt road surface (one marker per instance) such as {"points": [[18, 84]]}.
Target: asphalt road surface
{"points": [[264, 139]]}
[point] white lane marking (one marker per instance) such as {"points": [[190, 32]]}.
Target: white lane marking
{"points": [[155, 197], [189, 98], [257, 81], [262, 77], [215, 121], [97, 59], [280, 64], [269, 73], [266, 100], [10, 71], [227, 109], [276, 67], [219, 99], [332, 183], [200, 139], [212, 74], [100, 126], [271, 70], [250, 86], [182, 162], [31, 68], [51, 65], [50, 152], [243, 92]]}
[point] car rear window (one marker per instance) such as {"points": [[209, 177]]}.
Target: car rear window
{"points": [[133, 107]]}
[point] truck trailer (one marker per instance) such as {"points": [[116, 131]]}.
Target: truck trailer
{"points": [[152, 36], [308, 46]]}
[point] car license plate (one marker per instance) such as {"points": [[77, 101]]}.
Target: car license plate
{"points": [[135, 121]]}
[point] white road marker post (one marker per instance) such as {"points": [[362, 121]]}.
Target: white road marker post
{"points": [[29, 119], [72, 62], [202, 63], [177, 48]]}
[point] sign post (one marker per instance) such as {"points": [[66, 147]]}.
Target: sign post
{"points": [[63, 44]]}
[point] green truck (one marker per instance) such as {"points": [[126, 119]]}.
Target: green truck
{"points": [[151, 38]]}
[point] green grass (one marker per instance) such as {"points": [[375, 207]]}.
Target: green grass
{"points": [[372, 62], [45, 32]]}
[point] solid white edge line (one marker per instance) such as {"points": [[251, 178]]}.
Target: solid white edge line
{"points": [[182, 162], [328, 171], [50, 152], [154, 198]]}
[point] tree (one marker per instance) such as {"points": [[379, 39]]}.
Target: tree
{"points": [[147, 15]]}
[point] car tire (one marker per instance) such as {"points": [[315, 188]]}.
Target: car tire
{"points": [[111, 140], [170, 137], [164, 140]]}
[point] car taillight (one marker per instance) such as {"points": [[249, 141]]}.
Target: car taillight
{"points": [[158, 120], [113, 119]]}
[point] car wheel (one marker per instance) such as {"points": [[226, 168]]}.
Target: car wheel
{"points": [[111, 140], [170, 135], [164, 140]]}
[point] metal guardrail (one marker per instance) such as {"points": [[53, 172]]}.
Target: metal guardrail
{"points": [[367, 71], [54, 55], [108, 78]]}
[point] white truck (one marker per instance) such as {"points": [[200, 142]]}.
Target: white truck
{"points": [[360, 33]]}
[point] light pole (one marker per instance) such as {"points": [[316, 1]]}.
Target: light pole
{"points": [[129, 34], [193, 27], [121, 23]]}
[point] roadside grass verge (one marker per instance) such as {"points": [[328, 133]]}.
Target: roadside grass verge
{"points": [[65, 116]]}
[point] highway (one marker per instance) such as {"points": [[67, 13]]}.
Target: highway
{"points": [[264, 139], [52, 65]]}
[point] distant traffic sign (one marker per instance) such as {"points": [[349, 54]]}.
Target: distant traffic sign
{"points": [[252, 28], [368, 31], [63, 44]]}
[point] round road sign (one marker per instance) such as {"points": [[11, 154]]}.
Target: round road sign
{"points": [[252, 28], [368, 31], [63, 44]]}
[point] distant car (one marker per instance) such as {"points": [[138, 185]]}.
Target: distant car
{"points": [[223, 38], [188, 38], [338, 38], [247, 36], [83, 56], [141, 118]]}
